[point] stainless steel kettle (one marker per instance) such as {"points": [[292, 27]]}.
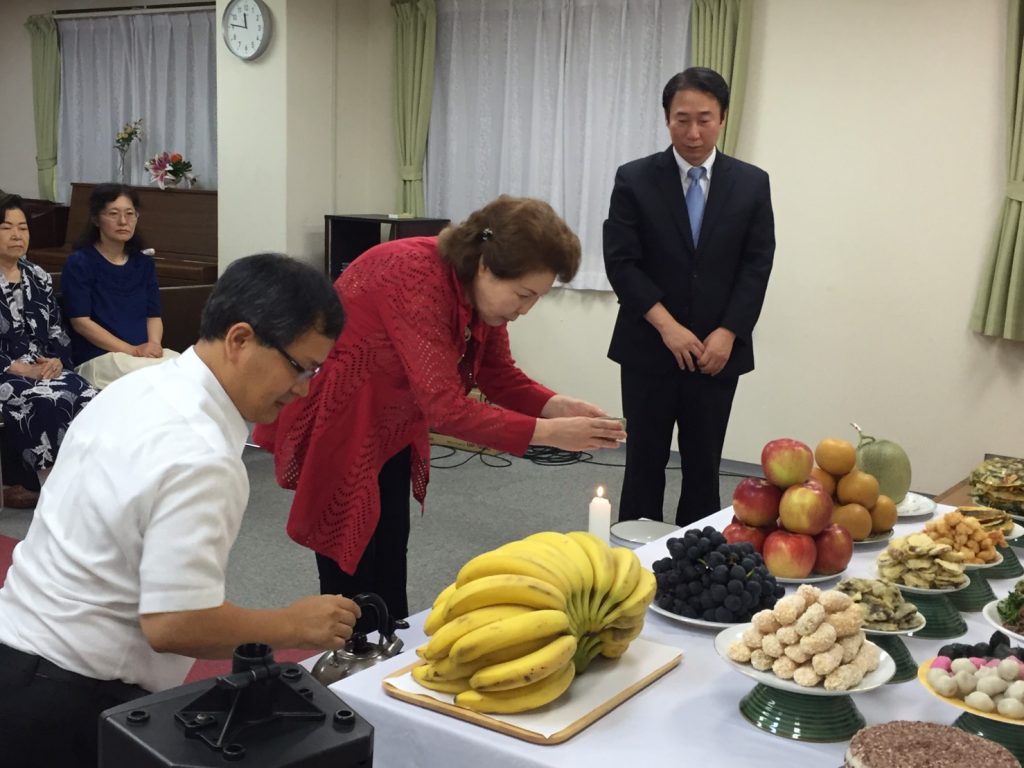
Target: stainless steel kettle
{"points": [[359, 653]]}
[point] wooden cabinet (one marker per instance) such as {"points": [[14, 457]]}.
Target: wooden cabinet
{"points": [[347, 236]]}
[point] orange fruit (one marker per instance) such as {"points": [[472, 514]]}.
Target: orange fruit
{"points": [[855, 518], [835, 456], [883, 515], [857, 487], [827, 481]]}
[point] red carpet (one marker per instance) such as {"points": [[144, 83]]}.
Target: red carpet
{"points": [[6, 548], [201, 669]]}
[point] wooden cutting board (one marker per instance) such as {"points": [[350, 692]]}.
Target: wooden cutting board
{"points": [[596, 703]]}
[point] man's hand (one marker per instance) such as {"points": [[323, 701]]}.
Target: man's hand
{"points": [[717, 349], [322, 621], [684, 346], [49, 367], [561, 405]]}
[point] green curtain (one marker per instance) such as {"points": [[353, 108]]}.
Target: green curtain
{"points": [[720, 39], [45, 99], [999, 305], [415, 38]]}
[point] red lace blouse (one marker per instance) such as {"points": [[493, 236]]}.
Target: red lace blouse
{"points": [[411, 349]]}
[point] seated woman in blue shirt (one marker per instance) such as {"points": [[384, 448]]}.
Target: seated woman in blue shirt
{"points": [[110, 291]]}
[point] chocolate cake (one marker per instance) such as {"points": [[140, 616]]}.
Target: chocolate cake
{"points": [[913, 744]]}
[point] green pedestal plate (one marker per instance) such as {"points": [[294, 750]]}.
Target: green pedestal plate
{"points": [[944, 620], [976, 596], [800, 716], [1010, 568], [906, 667], [1009, 735]]}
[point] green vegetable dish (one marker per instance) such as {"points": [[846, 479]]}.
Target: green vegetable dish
{"points": [[1011, 609]]}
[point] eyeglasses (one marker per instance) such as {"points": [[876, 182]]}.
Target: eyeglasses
{"points": [[130, 215], [305, 374]]}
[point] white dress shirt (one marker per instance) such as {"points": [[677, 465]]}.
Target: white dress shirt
{"points": [[138, 516], [684, 167]]}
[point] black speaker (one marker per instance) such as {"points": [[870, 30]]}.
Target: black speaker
{"points": [[263, 714]]}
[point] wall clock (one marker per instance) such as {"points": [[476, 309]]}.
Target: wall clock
{"points": [[247, 27]]}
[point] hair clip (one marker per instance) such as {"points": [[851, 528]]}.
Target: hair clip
{"points": [[487, 234]]}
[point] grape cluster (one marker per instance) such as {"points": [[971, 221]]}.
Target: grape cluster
{"points": [[998, 647], [707, 578]]}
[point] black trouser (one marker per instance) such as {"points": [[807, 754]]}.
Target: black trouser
{"points": [[653, 403], [49, 716], [383, 566]]}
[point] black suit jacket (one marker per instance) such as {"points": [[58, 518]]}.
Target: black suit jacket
{"points": [[650, 256]]}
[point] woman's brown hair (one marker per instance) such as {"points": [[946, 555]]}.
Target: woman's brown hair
{"points": [[513, 236]]}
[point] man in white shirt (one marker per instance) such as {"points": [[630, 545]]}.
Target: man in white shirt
{"points": [[119, 584]]}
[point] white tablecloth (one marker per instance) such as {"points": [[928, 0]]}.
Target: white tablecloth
{"points": [[691, 716]]}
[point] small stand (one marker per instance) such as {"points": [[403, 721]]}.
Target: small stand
{"points": [[801, 717], [1008, 735], [944, 620], [1010, 568], [906, 667], [975, 596]]}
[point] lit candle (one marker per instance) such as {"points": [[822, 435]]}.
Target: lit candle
{"points": [[600, 515]]}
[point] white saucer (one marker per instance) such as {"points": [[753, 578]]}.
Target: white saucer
{"points": [[921, 591], [637, 532], [725, 638], [875, 538], [983, 566], [814, 578], [1015, 533], [691, 622], [915, 505], [883, 632]]}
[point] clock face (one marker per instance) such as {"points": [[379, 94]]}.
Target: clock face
{"points": [[246, 28]]}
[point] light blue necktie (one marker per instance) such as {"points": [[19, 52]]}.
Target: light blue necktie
{"points": [[695, 201]]}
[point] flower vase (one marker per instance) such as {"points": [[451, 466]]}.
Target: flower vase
{"points": [[122, 170]]}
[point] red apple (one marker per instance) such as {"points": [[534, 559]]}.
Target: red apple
{"points": [[789, 555], [756, 501], [835, 548], [786, 462], [737, 532], [805, 508]]}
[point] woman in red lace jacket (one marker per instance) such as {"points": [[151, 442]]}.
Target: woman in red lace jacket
{"points": [[425, 323]]}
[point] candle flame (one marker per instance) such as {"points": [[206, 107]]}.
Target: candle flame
{"points": [[600, 490]]}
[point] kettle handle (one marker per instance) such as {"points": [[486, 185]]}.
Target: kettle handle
{"points": [[386, 625]]}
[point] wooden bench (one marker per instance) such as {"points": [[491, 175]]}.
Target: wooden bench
{"points": [[179, 224]]}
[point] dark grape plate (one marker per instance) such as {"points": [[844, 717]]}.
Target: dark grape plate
{"points": [[691, 622]]}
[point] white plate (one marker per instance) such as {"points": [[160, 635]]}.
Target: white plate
{"points": [[691, 622], [883, 632], [884, 536], [920, 591], [991, 614], [725, 638], [983, 566], [1016, 532], [814, 578], [915, 505], [641, 531]]}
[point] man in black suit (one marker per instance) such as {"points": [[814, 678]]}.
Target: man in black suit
{"points": [[688, 248]]}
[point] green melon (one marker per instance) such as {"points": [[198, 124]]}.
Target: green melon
{"points": [[887, 461]]}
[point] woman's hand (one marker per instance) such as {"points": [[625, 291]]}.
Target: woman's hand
{"points": [[561, 405], [149, 349], [28, 370], [49, 367], [578, 433]]}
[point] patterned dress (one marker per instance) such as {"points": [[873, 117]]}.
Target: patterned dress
{"points": [[36, 412]]}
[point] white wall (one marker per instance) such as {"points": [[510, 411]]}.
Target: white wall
{"points": [[881, 123]]}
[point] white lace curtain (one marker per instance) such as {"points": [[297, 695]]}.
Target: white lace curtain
{"points": [[547, 98], [160, 67]]}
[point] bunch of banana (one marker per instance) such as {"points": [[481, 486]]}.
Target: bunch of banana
{"points": [[521, 621]]}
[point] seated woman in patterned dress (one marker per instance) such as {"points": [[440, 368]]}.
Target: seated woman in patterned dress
{"points": [[110, 292], [39, 393]]}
